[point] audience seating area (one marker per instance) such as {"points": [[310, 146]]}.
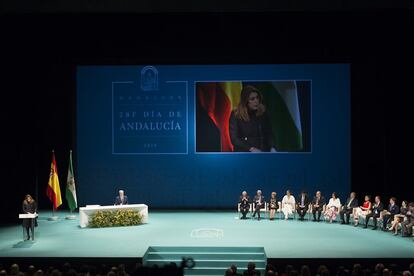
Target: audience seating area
{"points": [[316, 269]]}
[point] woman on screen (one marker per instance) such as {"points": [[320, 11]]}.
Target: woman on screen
{"points": [[250, 128], [332, 208], [288, 204], [29, 207]]}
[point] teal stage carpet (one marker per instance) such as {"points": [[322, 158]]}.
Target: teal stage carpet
{"points": [[281, 239]]}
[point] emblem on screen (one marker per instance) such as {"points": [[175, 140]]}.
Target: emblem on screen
{"points": [[149, 78]]}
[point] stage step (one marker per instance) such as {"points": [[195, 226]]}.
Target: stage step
{"points": [[208, 260]]}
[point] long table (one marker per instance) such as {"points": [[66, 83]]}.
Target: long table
{"points": [[86, 212]]}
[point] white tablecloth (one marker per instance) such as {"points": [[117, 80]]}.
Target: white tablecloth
{"points": [[86, 212]]}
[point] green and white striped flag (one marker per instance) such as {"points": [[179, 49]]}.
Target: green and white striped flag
{"points": [[70, 187], [282, 105]]}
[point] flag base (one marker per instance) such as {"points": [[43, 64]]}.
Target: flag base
{"points": [[70, 217], [53, 218]]}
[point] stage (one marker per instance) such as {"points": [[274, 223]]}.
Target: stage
{"points": [[281, 239]]}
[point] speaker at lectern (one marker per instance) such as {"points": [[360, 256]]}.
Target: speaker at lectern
{"points": [[31, 219]]}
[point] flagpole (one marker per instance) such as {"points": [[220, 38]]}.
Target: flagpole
{"points": [[54, 216], [71, 216]]}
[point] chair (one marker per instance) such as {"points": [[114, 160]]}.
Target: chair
{"points": [[263, 210], [379, 220], [279, 209], [337, 215], [364, 218], [351, 216], [399, 227], [239, 211], [281, 213], [309, 212]]}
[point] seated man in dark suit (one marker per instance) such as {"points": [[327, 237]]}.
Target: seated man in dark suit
{"points": [[259, 203], [121, 199], [376, 211], [350, 204], [302, 205], [317, 205], [244, 204], [392, 210]]}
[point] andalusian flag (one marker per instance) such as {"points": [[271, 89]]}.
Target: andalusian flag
{"points": [[282, 107], [53, 188], [70, 187], [218, 99]]}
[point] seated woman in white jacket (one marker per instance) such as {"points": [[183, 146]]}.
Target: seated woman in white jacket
{"points": [[332, 209], [288, 204]]}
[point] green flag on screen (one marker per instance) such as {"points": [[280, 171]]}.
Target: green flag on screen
{"points": [[282, 106]]}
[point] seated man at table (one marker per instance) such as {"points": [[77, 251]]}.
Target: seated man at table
{"points": [[122, 199]]}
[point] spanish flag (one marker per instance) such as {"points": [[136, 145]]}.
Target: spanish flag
{"points": [[219, 99], [53, 188]]}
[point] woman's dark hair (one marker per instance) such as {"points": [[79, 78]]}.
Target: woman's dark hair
{"points": [[368, 196], [25, 201], [241, 111], [335, 194]]}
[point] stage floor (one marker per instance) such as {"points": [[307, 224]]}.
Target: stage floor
{"points": [[281, 239]]}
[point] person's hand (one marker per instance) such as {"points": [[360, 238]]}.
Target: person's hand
{"points": [[253, 149]]}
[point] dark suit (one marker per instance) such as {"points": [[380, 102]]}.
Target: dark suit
{"points": [[302, 209], [244, 206], [375, 214], [257, 132], [347, 210], [318, 209], [119, 201], [259, 202], [393, 209]]}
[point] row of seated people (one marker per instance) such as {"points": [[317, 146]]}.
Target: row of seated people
{"points": [[392, 217], [322, 270]]}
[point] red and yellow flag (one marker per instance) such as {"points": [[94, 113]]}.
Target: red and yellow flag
{"points": [[219, 99], [53, 187]]}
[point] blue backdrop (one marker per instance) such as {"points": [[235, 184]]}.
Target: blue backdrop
{"points": [[136, 131]]}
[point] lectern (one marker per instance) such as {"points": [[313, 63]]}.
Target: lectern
{"points": [[32, 217]]}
